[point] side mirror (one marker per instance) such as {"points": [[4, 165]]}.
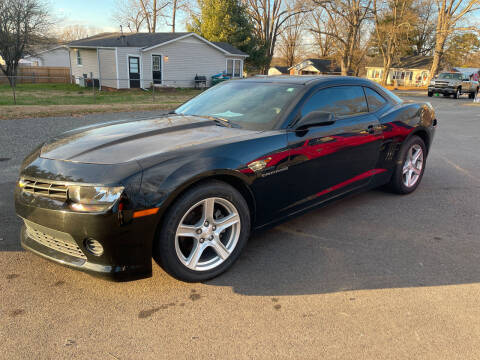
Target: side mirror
{"points": [[315, 118]]}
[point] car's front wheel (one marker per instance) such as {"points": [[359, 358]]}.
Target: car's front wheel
{"points": [[203, 233], [410, 167]]}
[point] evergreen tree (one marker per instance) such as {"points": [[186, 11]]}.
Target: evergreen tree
{"points": [[227, 21]]}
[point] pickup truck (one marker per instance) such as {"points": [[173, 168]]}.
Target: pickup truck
{"points": [[453, 83]]}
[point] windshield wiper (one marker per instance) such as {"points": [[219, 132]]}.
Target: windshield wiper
{"points": [[222, 121]]}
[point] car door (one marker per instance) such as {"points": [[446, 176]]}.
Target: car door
{"points": [[466, 84], [329, 160]]}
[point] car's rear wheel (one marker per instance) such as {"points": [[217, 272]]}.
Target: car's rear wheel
{"points": [[203, 233], [410, 167]]}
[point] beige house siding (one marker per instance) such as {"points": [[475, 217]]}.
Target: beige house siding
{"points": [[181, 61], [402, 77], [186, 58], [108, 67], [89, 62]]}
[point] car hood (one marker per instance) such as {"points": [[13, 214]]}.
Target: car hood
{"points": [[124, 141]]}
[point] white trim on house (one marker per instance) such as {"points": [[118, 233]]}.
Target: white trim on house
{"points": [[99, 72], [116, 66], [139, 69], [196, 36], [78, 55], [161, 68], [233, 67]]}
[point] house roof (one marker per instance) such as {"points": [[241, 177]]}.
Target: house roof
{"points": [[407, 62], [228, 48], [465, 70], [46, 48], [144, 40], [322, 65], [116, 39], [282, 69]]}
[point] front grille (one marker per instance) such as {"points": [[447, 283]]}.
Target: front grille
{"points": [[53, 239], [46, 189]]}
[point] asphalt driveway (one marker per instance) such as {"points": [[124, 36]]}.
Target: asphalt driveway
{"points": [[374, 276]]}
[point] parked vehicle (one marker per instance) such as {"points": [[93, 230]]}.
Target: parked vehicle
{"points": [[453, 83], [188, 188]]}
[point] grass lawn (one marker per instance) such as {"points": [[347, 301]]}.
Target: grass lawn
{"points": [[39, 100]]}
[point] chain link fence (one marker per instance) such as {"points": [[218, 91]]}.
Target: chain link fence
{"points": [[56, 90]]}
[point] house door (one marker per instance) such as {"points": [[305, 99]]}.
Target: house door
{"points": [[134, 71], [157, 69]]}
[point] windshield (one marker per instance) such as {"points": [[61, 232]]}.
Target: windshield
{"points": [[249, 105], [450, 76]]}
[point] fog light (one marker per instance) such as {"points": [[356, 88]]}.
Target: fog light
{"points": [[94, 247]]}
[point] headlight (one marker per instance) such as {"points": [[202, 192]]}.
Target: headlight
{"points": [[93, 198], [432, 82]]}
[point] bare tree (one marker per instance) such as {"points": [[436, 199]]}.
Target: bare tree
{"points": [[423, 34], [291, 38], [137, 14], [129, 14], [76, 32], [320, 24], [270, 17], [391, 24], [23, 24], [175, 6], [449, 14], [348, 17]]}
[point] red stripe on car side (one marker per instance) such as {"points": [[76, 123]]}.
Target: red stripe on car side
{"points": [[352, 180]]}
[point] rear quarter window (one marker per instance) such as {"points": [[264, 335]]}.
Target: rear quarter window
{"points": [[374, 99]]}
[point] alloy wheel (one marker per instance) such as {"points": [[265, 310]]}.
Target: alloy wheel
{"points": [[207, 234], [413, 165]]}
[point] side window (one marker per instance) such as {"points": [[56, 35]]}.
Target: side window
{"points": [[339, 100], [374, 99]]}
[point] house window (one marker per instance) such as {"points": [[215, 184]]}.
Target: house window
{"points": [[157, 61], [79, 57], [234, 68]]}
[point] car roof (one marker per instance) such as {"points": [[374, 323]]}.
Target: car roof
{"points": [[307, 79]]}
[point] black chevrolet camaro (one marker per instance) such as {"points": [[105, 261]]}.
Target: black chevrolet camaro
{"points": [[188, 188]]}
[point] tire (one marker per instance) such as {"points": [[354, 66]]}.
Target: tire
{"points": [[471, 95], [398, 182], [446, 95], [457, 94], [175, 253], [430, 94]]}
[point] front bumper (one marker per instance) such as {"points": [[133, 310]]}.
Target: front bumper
{"points": [[59, 236], [441, 90]]}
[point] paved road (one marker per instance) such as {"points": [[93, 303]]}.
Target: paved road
{"points": [[375, 276]]}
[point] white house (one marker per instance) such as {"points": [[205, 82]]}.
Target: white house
{"points": [[136, 60], [53, 56]]}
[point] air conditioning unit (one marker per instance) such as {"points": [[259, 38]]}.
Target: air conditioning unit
{"points": [[81, 82]]}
